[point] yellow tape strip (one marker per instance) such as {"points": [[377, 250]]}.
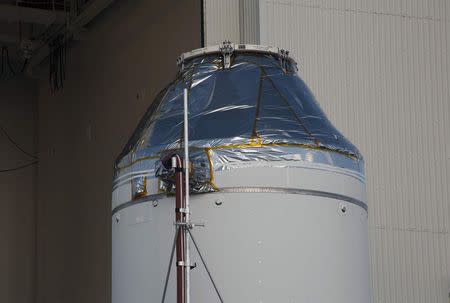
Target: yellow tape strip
{"points": [[260, 144], [211, 169], [254, 142], [159, 190]]}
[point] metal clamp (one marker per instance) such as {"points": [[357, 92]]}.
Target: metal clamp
{"points": [[183, 264], [284, 58], [227, 49], [189, 225], [180, 63], [182, 210]]}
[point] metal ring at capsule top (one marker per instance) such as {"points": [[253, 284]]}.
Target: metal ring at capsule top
{"points": [[230, 48]]}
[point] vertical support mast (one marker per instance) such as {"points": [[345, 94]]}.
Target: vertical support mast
{"points": [[186, 199], [180, 236], [183, 222], [182, 215]]}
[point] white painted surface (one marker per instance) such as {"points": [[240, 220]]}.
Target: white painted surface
{"points": [[260, 247], [381, 72]]}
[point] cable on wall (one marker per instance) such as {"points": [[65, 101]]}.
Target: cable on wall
{"points": [[16, 145], [57, 57], [7, 70], [18, 167]]}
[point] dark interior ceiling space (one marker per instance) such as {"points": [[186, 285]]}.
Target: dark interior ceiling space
{"points": [[32, 31], [46, 4]]}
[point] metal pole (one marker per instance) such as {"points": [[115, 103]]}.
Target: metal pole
{"points": [[186, 198], [172, 252], [179, 217]]}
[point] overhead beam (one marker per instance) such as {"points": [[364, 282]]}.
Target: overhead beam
{"points": [[89, 13], [76, 26], [13, 13]]}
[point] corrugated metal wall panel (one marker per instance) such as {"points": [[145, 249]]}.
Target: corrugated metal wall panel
{"points": [[221, 21], [430, 9], [409, 266], [381, 71], [249, 21], [234, 20]]}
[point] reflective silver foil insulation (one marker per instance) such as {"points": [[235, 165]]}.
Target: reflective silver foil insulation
{"points": [[256, 110]]}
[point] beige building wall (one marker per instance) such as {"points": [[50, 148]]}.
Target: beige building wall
{"points": [[221, 21], [125, 58], [381, 72], [233, 20], [18, 105]]}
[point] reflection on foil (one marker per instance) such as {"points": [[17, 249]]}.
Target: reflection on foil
{"points": [[258, 110]]}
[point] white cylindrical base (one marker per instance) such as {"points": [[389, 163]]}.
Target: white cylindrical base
{"points": [[261, 245]]}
